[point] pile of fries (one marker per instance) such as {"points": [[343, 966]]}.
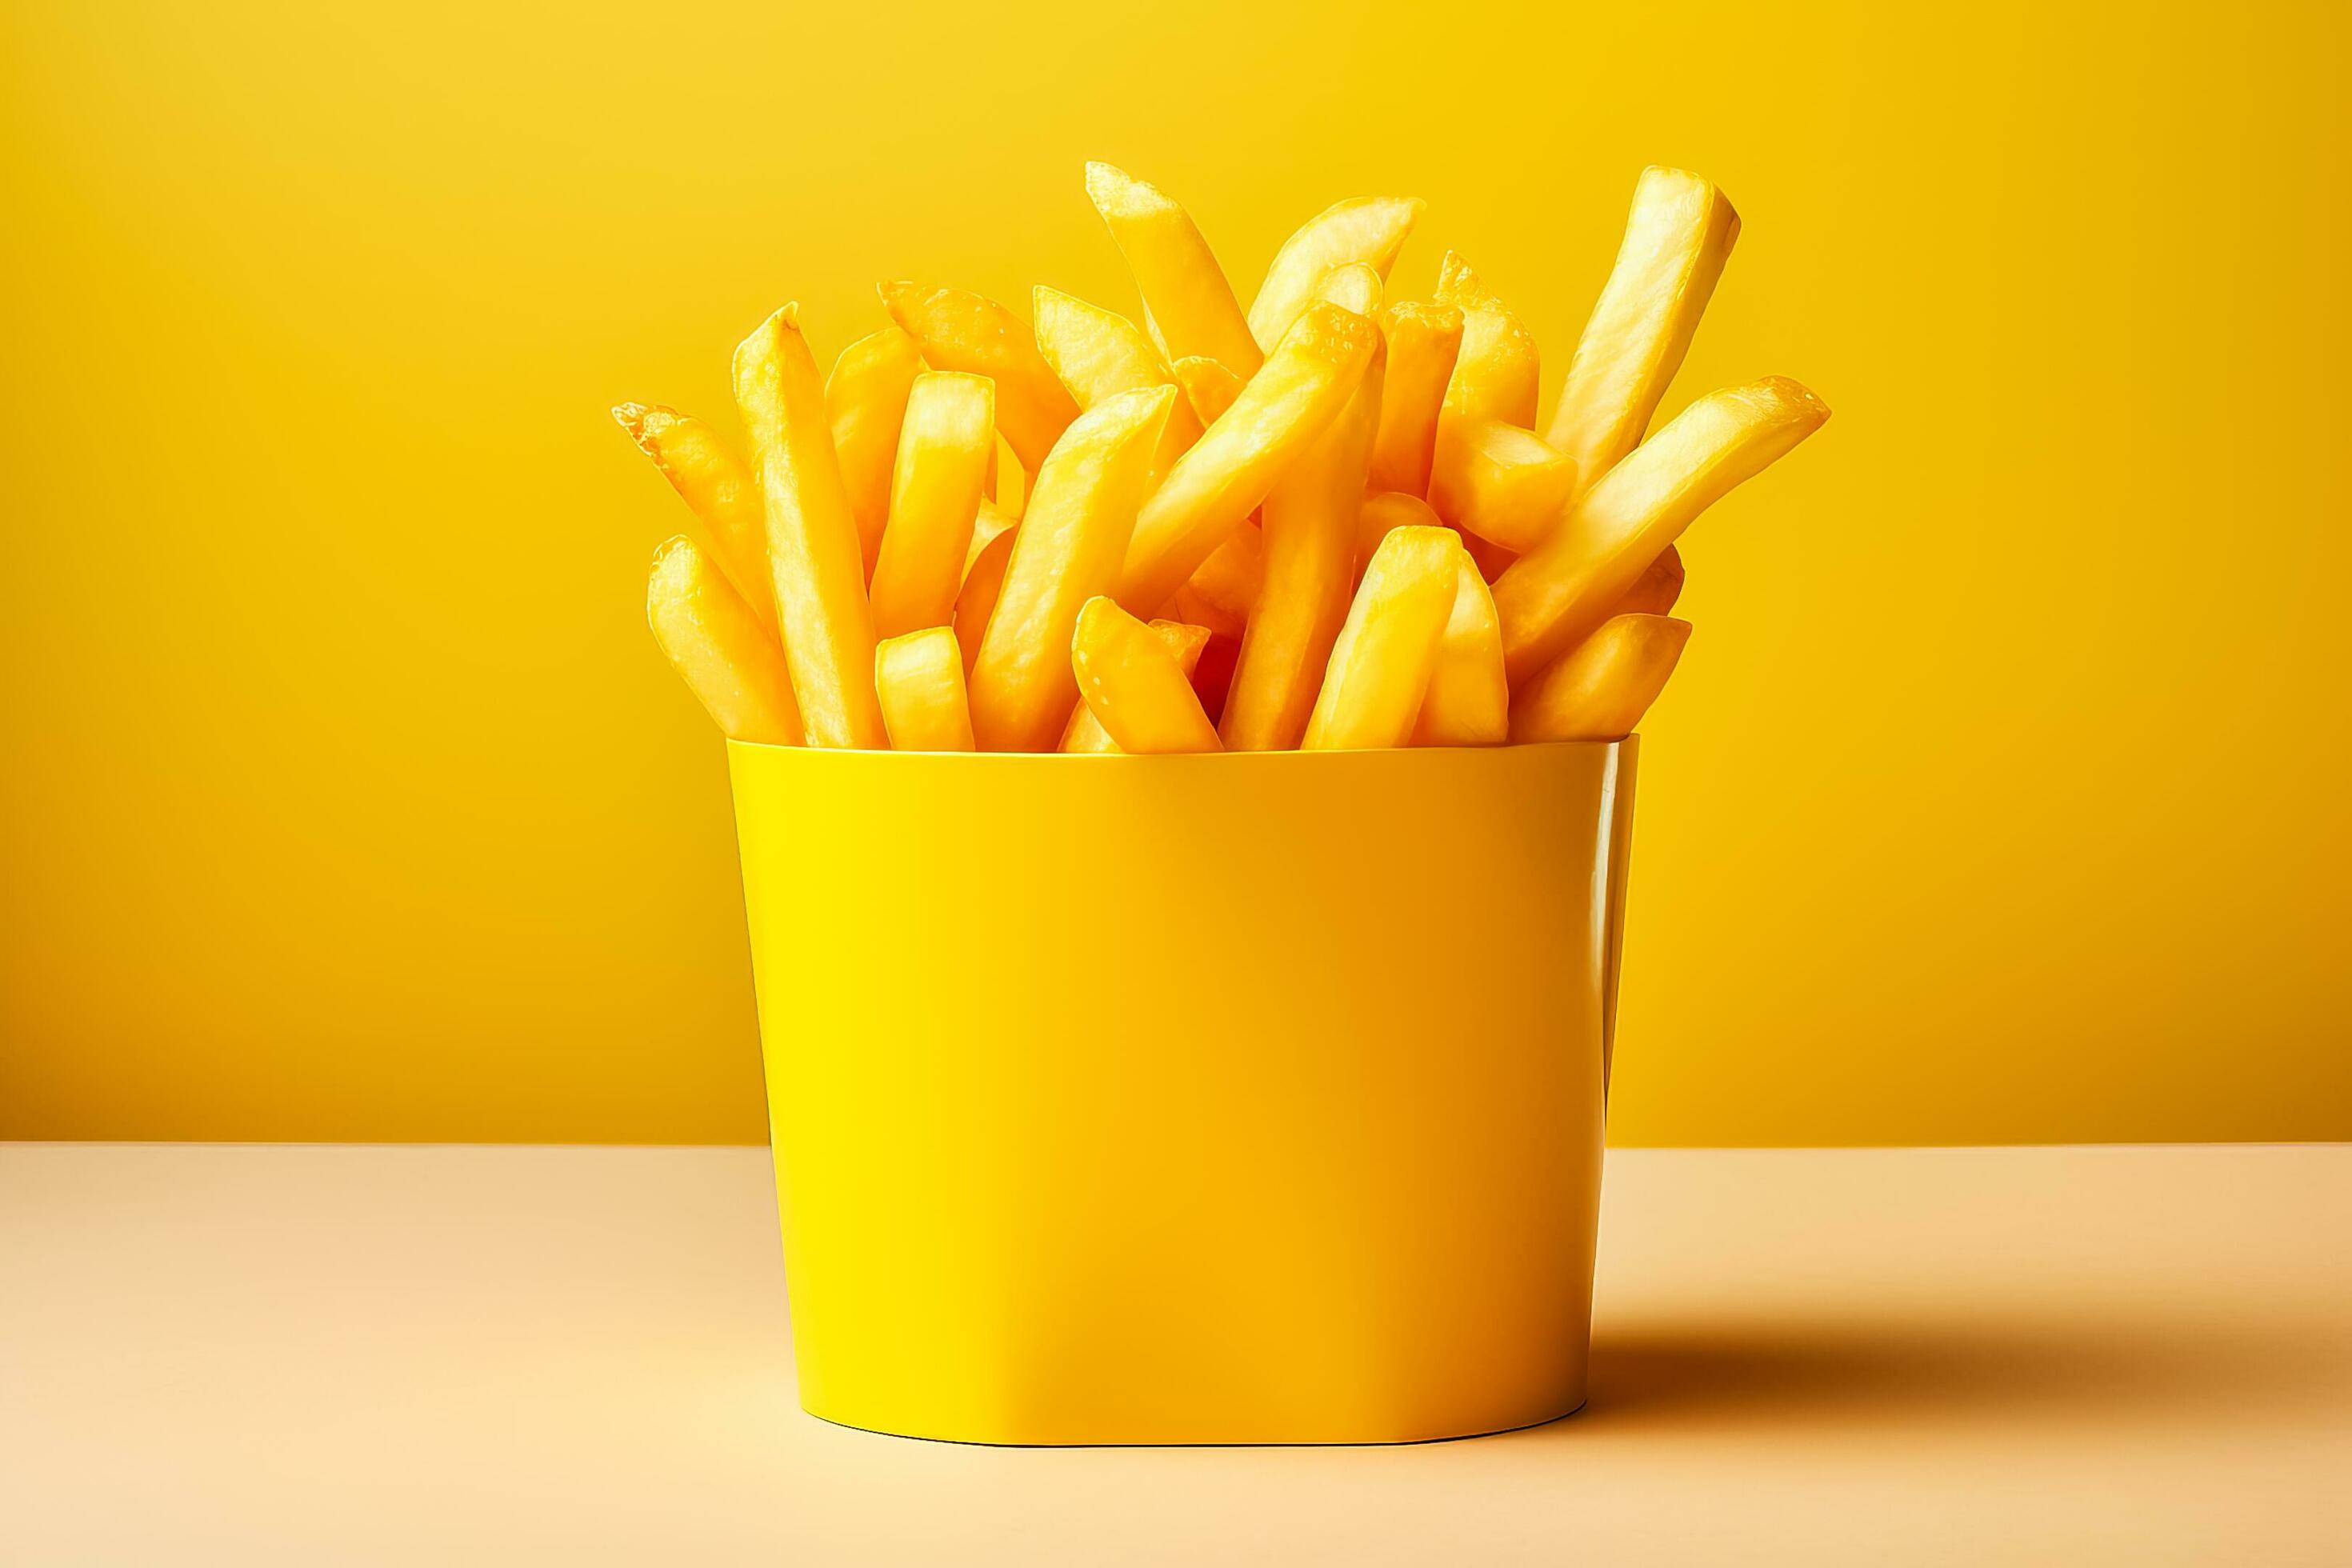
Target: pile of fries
{"points": [[1327, 522]]}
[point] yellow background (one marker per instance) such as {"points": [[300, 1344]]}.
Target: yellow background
{"points": [[2000, 797]]}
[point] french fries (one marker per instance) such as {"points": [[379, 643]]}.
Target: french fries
{"points": [[943, 451], [1134, 685], [864, 400], [1676, 241], [958, 329], [721, 491], [727, 658], [813, 543], [1188, 305], [1600, 690], [1085, 732], [1553, 596], [919, 678], [1337, 502], [1299, 390], [1387, 652], [1067, 551]]}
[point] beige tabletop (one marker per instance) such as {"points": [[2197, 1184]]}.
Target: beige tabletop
{"points": [[521, 1355]]}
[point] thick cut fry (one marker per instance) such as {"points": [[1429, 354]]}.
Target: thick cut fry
{"points": [[958, 329], [1221, 595], [718, 648], [1085, 732], [1369, 229], [1311, 519], [1498, 481], [1384, 513], [1676, 241], [1096, 353], [1294, 398], [1600, 690], [983, 579], [866, 400], [943, 448], [812, 549], [1380, 666], [1134, 685], [920, 680], [1352, 286], [1468, 702], [1553, 596], [1654, 592], [1188, 305], [719, 489], [1067, 551], [1423, 343], [1209, 388], [1496, 375]]}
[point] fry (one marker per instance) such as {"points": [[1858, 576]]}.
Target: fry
{"points": [[1654, 592], [1298, 393], [1085, 732], [1384, 512], [1067, 551], [1134, 685], [813, 544], [1423, 343], [718, 648], [1369, 229], [865, 402], [1209, 388], [920, 680], [1380, 666], [1352, 286], [1097, 354], [1311, 517], [1496, 375], [1468, 702], [719, 489], [1600, 690], [1498, 481], [943, 450], [983, 579], [1188, 305], [1221, 595], [1553, 596], [958, 329], [1678, 239]]}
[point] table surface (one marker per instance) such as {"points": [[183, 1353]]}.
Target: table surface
{"points": [[461, 1354]]}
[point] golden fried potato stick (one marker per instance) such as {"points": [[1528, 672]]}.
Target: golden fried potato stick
{"points": [[1552, 597], [1311, 517], [719, 489], [1423, 343], [718, 648], [1676, 240], [1654, 592], [1498, 481], [1209, 388], [1067, 551], [1295, 396], [1353, 286], [865, 400], [812, 546], [1496, 375], [1600, 690], [1135, 686], [919, 679], [1468, 702], [958, 329], [1085, 732], [1221, 595], [983, 579], [1188, 304], [1097, 354], [1384, 513], [1369, 229], [1381, 664], [943, 450]]}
